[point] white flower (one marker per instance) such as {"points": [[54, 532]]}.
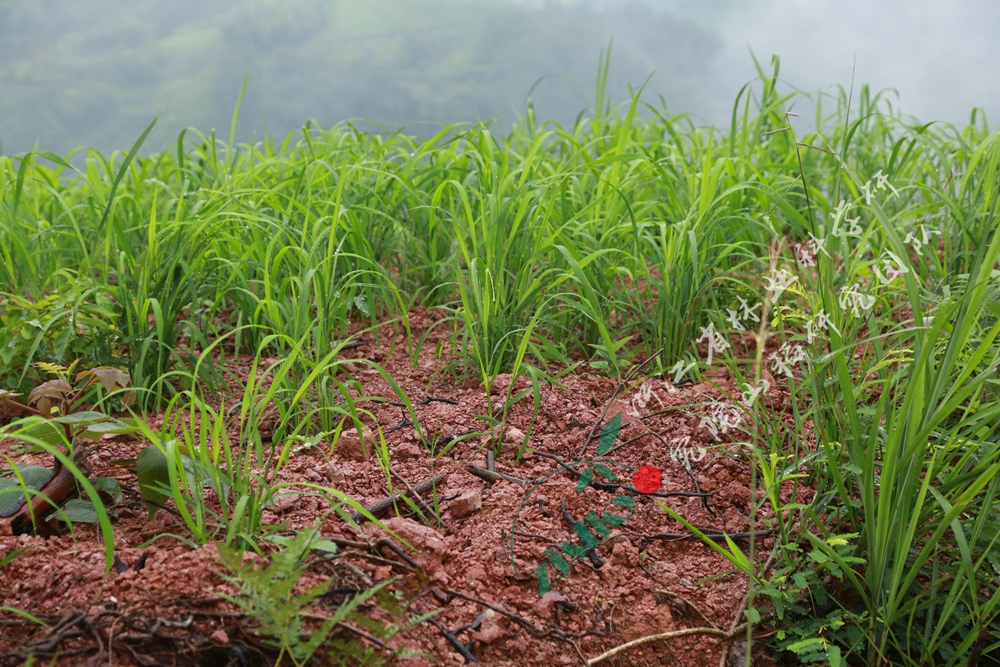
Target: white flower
{"points": [[778, 282], [716, 343], [734, 319], [679, 370], [787, 356], [748, 310], [821, 322], [807, 257], [892, 266], [856, 301], [751, 392]]}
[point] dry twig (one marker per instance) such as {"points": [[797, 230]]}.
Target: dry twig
{"points": [[664, 636], [380, 507]]}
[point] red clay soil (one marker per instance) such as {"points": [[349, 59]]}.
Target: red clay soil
{"points": [[161, 603]]}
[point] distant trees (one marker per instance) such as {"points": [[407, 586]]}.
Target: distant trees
{"points": [[73, 75]]}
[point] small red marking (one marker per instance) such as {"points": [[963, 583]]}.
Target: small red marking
{"points": [[647, 479]]}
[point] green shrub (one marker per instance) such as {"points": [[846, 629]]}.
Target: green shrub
{"points": [[73, 324]]}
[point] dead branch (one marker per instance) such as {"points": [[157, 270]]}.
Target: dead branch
{"points": [[380, 507], [665, 636], [53, 494], [492, 476]]}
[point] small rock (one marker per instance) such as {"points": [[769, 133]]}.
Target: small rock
{"points": [[418, 535], [624, 553], [476, 574], [349, 445], [543, 607], [93, 575], [408, 450], [431, 545], [382, 572], [314, 476], [285, 502], [515, 436], [220, 637], [465, 505], [492, 628], [337, 475]]}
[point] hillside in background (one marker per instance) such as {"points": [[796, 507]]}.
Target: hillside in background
{"points": [[96, 73]]}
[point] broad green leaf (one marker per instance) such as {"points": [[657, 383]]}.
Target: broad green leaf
{"points": [[557, 559], [542, 572], [609, 435], [613, 519], [151, 470], [598, 525], [82, 418], [585, 479], [11, 493], [624, 501], [110, 487], [79, 511], [585, 535], [605, 472]]}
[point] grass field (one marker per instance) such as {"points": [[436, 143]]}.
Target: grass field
{"points": [[852, 265]]}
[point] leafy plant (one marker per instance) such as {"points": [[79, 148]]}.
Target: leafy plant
{"points": [[72, 324], [272, 596], [56, 428]]}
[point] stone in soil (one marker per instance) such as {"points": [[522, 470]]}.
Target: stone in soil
{"points": [[465, 506]]}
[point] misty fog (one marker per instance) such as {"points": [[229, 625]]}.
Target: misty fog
{"points": [[95, 72]]}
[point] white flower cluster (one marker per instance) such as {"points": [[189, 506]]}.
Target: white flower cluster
{"points": [[682, 452], [925, 238], [778, 281], [750, 392], [721, 418], [851, 298], [891, 265], [643, 399], [877, 183], [821, 322], [840, 215], [716, 342], [785, 357], [745, 311]]}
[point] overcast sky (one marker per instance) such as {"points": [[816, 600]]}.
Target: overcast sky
{"points": [[943, 57], [94, 72]]}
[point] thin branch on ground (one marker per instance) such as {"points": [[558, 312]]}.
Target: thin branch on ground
{"points": [[666, 636]]}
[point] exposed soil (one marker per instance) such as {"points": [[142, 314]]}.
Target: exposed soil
{"points": [[161, 604]]}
